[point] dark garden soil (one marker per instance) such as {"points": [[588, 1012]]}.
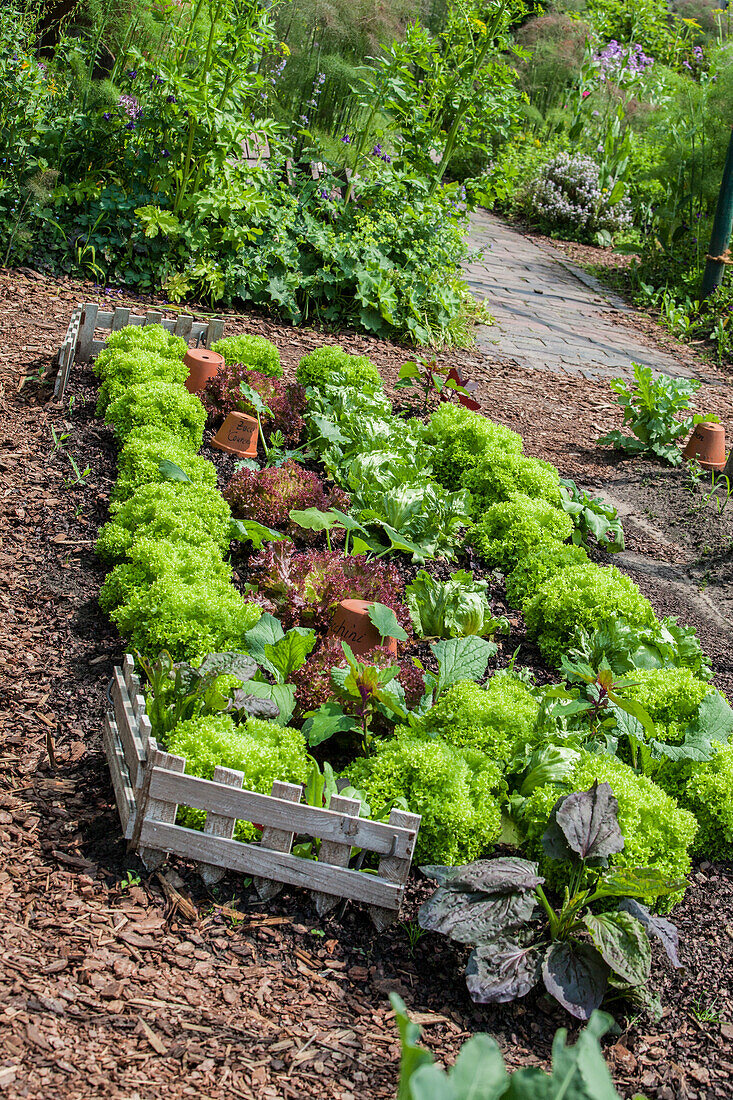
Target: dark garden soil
{"points": [[158, 988]]}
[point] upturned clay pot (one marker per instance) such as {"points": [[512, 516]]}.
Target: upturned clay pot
{"points": [[707, 446], [238, 435], [202, 365], [352, 624]]}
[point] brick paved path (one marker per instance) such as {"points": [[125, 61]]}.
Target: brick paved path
{"points": [[551, 315]]}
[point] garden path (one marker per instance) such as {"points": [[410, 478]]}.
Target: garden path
{"points": [[550, 314]]}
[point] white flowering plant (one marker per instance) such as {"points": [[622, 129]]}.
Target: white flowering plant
{"points": [[568, 197]]}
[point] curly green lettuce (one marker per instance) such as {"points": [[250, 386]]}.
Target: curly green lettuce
{"points": [[460, 438], [455, 790], [510, 531], [254, 352], [163, 404]]}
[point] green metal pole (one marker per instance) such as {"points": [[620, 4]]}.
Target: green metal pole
{"points": [[722, 230]]}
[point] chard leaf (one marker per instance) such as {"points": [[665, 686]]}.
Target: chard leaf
{"points": [[623, 943], [589, 821], [282, 695], [385, 621], [240, 665], [255, 706], [576, 976], [475, 918], [462, 659], [289, 652], [489, 876], [328, 720], [501, 971], [663, 929]]}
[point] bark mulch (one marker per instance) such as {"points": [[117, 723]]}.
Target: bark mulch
{"points": [[118, 984]]}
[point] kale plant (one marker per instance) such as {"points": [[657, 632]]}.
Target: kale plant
{"points": [[651, 408], [519, 938]]}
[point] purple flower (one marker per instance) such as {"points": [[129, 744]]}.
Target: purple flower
{"points": [[346, 139], [132, 73], [323, 194], [164, 154], [130, 106], [170, 99], [387, 159], [130, 125], [377, 151], [107, 116]]}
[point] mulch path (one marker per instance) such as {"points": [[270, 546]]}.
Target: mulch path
{"points": [[115, 987]]}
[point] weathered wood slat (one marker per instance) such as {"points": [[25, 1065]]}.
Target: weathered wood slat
{"points": [[250, 859], [214, 332], [393, 868], [127, 726], [277, 839], [153, 317], [124, 794], [183, 325], [120, 318], [86, 332], [218, 824], [67, 354], [336, 854], [287, 815], [162, 811]]}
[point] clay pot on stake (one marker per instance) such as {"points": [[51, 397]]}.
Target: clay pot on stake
{"points": [[202, 365], [706, 446]]}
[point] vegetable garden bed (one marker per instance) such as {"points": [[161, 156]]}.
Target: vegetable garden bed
{"points": [[426, 972]]}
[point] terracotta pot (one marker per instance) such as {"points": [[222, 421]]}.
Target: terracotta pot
{"points": [[238, 435], [352, 624], [202, 365], [707, 446]]}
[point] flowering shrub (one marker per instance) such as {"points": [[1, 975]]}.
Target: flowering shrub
{"points": [[567, 197], [303, 588], [268, 496], [286, 401], [621, 63], [252, 352], [314, 685]]}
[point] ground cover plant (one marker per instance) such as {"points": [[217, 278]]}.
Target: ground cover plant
{"points": [[427, 725]]}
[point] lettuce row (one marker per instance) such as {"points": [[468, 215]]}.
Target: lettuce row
{"points": [[170, 587]]}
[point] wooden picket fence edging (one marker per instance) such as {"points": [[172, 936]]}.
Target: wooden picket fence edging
{"points": [[80, 346], [150, 785]]}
